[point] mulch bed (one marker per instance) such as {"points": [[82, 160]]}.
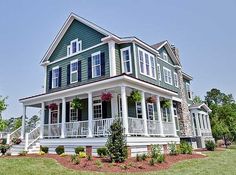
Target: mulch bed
{"points": [[130, 165]]}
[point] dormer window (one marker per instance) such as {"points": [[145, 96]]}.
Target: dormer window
{"points": [[74, 47], [189, 93], [165, 57]]}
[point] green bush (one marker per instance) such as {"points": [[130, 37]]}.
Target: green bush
{"points": [[210, 145], [44, 149], [144, 156], [89, 157], [4, 148], [60, 149], [79, 149], [102, 151], [156, 154], [161, 158], [82, 154], [185, 148], [4, 141], [73, 157], [138, 157], [23, 153], [172, 149]]}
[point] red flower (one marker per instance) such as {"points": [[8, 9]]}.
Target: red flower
{"points": [[52, 106], [106, 96]]}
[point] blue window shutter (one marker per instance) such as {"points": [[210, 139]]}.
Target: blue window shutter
{"points": [[67, 111], [68, 74], [50, 80], [89, 67], [59, 78], [103, 63], [104, 109], [79, 71]]}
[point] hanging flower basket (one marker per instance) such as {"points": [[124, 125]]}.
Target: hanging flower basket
{"points": [[76, 103], [152, 99], [165, 103], [135, 96], [52, 106], [106, 96]]}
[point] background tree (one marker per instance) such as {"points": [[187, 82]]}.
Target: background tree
{"points": [[32, 122], [3, 105], [197, 100]]}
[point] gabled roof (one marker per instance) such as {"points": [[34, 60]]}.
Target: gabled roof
{"points": [[199, 106], [187, 76], [167, 46], [64, 28]]}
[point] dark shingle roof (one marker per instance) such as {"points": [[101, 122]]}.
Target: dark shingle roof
{"points": [[155, 46]]}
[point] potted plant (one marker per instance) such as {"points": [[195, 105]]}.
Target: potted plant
{"points": [[135, 96], [165, 103], [76, 103], [152, 99], [106, 96], [4, 148], [52, 106]]}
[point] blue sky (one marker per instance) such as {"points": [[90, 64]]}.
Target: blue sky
{"points": [[204, 32]]}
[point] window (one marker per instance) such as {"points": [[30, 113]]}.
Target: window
{"points": [[54, 116], [74, 47], [96, 64], [165, 57], [199, 120], [189, 93], [207, 124], [73, 115], [147, 63], [97, 109], [166, 116], [74, 71], [159, 71], [126, 60], [55, 77], [167, 76], [150, 109], [176, 81], [203, 121], [139, 113]]}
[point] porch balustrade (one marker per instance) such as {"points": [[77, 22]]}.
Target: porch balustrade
{"points": [[101, 126], [76, 129], [153, 127], [168, 128], [136, 126], [52, 130]]}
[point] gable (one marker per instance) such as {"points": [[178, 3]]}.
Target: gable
{"points": [[163, 51], [86, 34]]}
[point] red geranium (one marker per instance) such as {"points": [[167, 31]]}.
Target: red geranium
{"points": [[52, 106], [106, 96]]}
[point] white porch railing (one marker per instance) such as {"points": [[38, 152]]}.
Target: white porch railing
{"points": [[32, 137], [168, 128], [153, 127], [101, 126], [52, 130], [14, 134], [3, 134], [136, 126], [76, 129]]}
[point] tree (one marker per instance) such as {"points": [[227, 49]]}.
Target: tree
{"points": [[32, 122], [197, 100], [3, 105], [3, 125], [116, 143]]}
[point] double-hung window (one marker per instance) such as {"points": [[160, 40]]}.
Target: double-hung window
{"points": [[147, 63], [73, 114], [96, 64], [189, 93], [176, 81], [74, 71], [139, 113], [55, 77], [167, 75], [126, 60], [150, 109], [97, 109], [74, 47], [165, 57], [159, 71]]}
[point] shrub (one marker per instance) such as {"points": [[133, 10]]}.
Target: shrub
{"points": [[210, 145], [79, 149], [82, 154], [4, 148], [124, 167], [116, 143], [172, 149], [156, 154], [152, 161], [41, 153], [99, 163], [73, 157], [89, 157], [185, 148], [144, 156], [4, 141], [60, 150], [63, 155], [161, 158], [138, 157], [23, 153], [76, 160], [102, 151], [44, 149]]}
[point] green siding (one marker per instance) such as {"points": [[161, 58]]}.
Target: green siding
{"points": [[87, 35], [84, 66], [162, 51]]}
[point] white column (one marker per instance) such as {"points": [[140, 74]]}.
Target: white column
{"points": [[209, 123], [160, 116], [144, 113], [198, 125], [112, 58], [23, 122], [90, 114], [124, 109], [63, 118], [114, 106], [42, 119], [173, 118], [45, 79]]}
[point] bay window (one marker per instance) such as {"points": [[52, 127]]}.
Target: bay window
{"points": [[176, 81]]}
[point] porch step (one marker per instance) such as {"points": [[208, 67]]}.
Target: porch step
{"points": [[33, 149]]}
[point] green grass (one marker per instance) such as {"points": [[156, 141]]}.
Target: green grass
{"points": [[220, 162]]}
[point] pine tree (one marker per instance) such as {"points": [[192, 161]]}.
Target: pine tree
{"points": [[116, 143]]}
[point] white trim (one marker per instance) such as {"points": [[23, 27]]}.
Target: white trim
{"points": [[176, 80], [169, 79], [135, 60], [122, 59], [97, 104], [136, 109], [92, 55], [165, 57], [53, 69], [71, 72], [153, 116], [188, 85], [159, 72], [78, 47], [112, 58], [45, 79]]}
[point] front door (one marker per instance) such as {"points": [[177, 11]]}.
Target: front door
{"points": [[54, 116]]}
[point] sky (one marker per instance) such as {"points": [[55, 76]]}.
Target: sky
{"points": [[204, 32]]}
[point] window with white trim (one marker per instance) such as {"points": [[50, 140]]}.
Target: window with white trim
{"points": [[189, 93], [74, 47], [55, 77], [73, 114], [159, 72], [139, 113], [150, 110], [166, 116], [165, 57], [96, 64], [73, 71], [147, 63], [97, 109], [176, 80], [167, 76], [54, 116], [126, 60]]}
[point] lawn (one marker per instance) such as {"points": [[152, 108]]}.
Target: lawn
{"points": [[220, 162]]}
